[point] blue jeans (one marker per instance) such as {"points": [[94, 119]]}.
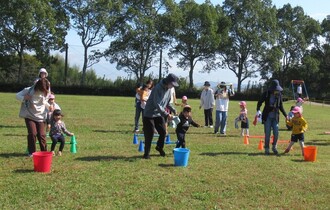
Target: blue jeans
{"points": [[220, 121], [271, 123], [138, 112]]}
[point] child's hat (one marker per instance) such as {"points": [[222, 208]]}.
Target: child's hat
{"points": [[242, 103], [44, 71], [296, 109], [184, 98], [51, 96], [57, 112], [186, 108], [300, 100]]}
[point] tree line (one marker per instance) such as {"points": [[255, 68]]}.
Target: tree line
{"points": [[251, 38]]}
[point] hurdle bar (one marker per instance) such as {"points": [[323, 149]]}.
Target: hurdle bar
{"points": [[73, 142], [136, 138]]}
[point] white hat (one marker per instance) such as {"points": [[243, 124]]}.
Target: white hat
{"points": [[43, 70]]}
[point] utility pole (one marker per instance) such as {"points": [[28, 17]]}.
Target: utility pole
{"points": [[160, 64], [66, 64]]}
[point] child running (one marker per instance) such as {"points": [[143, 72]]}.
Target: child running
{"points": [[182, 128], [184, 102], [299, 126], [57, 128], [243, 118]]}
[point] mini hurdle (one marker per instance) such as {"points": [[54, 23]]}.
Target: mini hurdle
{"points": [[140, 136], [261, 138], [73, 143]]}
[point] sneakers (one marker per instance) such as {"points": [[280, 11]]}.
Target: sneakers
{"points": [[275, 151], [161, 151], [287, 150], [59, 153], [53, 153], [211, 126], [266, 151], [146, 156]]}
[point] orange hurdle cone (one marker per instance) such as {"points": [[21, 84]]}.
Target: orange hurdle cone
{"points": [[260, 146], [246, 139]]}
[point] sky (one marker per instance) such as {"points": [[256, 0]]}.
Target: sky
{"points": [[317, 9]]}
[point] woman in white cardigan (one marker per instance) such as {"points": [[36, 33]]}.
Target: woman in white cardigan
{"points": [[36, 103]]}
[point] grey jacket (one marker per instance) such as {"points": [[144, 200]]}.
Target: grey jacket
{"points": [[158, 101]]}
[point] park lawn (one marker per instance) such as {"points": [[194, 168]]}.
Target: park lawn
{"points": [[107, 172]]}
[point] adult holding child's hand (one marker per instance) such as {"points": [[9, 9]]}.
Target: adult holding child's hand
{"points": [[155, 115]]}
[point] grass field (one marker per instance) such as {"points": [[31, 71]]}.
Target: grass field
{"points": [[107, 172]]}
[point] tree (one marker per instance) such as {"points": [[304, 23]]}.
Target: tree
{"points": [[139, 40], [252, 32], [297, 32], [201, 29], [31, 25], [93, 20]]}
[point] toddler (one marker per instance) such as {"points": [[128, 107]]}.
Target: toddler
{"points": [[299, 126], [182, 127], [243, 118], [52, 106], [184, 102], [57, 128]]}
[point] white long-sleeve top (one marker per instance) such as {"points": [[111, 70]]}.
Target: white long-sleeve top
{"points": [[207, 99], [37, 105]]}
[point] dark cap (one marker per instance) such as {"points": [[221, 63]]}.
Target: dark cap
{"points": [[186, 108], [57, 112], [172, 79], [275, 86], [207, 83]]}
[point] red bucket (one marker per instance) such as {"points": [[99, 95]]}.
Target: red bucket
{"points": [[42, 161], [310, 153]]}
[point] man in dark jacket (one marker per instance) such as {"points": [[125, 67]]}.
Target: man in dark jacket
{"points": [[155, 115], [271, 113]]}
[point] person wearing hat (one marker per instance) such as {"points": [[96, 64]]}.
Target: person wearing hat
{"points": [[299, 103], [57, 128], [155, 114], [183, 126], [207, 102], [52, 106], [43, 74], [299, 126], [271, 113], [222, 95]]}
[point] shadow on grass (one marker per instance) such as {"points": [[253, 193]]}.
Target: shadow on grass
{"points": [[166, 165], [318, 143], [14, 154], [237, 153], [109, 158], [24, 171], [111, 131], [12, 126], [11, 134]]}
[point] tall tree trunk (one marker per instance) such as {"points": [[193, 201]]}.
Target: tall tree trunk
{"points": [[191, 72], [83, 76]]}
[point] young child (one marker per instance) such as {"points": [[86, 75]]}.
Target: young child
{"points": [[290, 116], [52, 106], [184, 102], [243, 118], [144, 95], [182, 128], [57, 128], [299, 103], [299, 126]]}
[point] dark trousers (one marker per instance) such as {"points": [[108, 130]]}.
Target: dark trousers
{"points": [[208, 116], [181, 140], [58, 138], [149, 126], [35, 130]]}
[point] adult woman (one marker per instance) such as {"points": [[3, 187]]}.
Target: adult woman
{"points": [[207, 102], [222, 103], [33, 110]]}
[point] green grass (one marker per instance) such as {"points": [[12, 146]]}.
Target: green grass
{"points": [[107, 172]]}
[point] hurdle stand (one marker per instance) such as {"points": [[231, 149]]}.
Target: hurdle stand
{"points": [[260, 146], [73, 143]]}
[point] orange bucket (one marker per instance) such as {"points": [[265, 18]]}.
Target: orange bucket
{"points": [[310, 153], [42, 161]]}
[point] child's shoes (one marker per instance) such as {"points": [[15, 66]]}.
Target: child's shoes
{"points": [[53, 153], [59, 153]]}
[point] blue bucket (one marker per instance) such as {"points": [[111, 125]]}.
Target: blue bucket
{"points": [[181, 156]]}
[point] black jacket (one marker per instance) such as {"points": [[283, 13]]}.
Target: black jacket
{"points": [[184, 124], [278, 106]]}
